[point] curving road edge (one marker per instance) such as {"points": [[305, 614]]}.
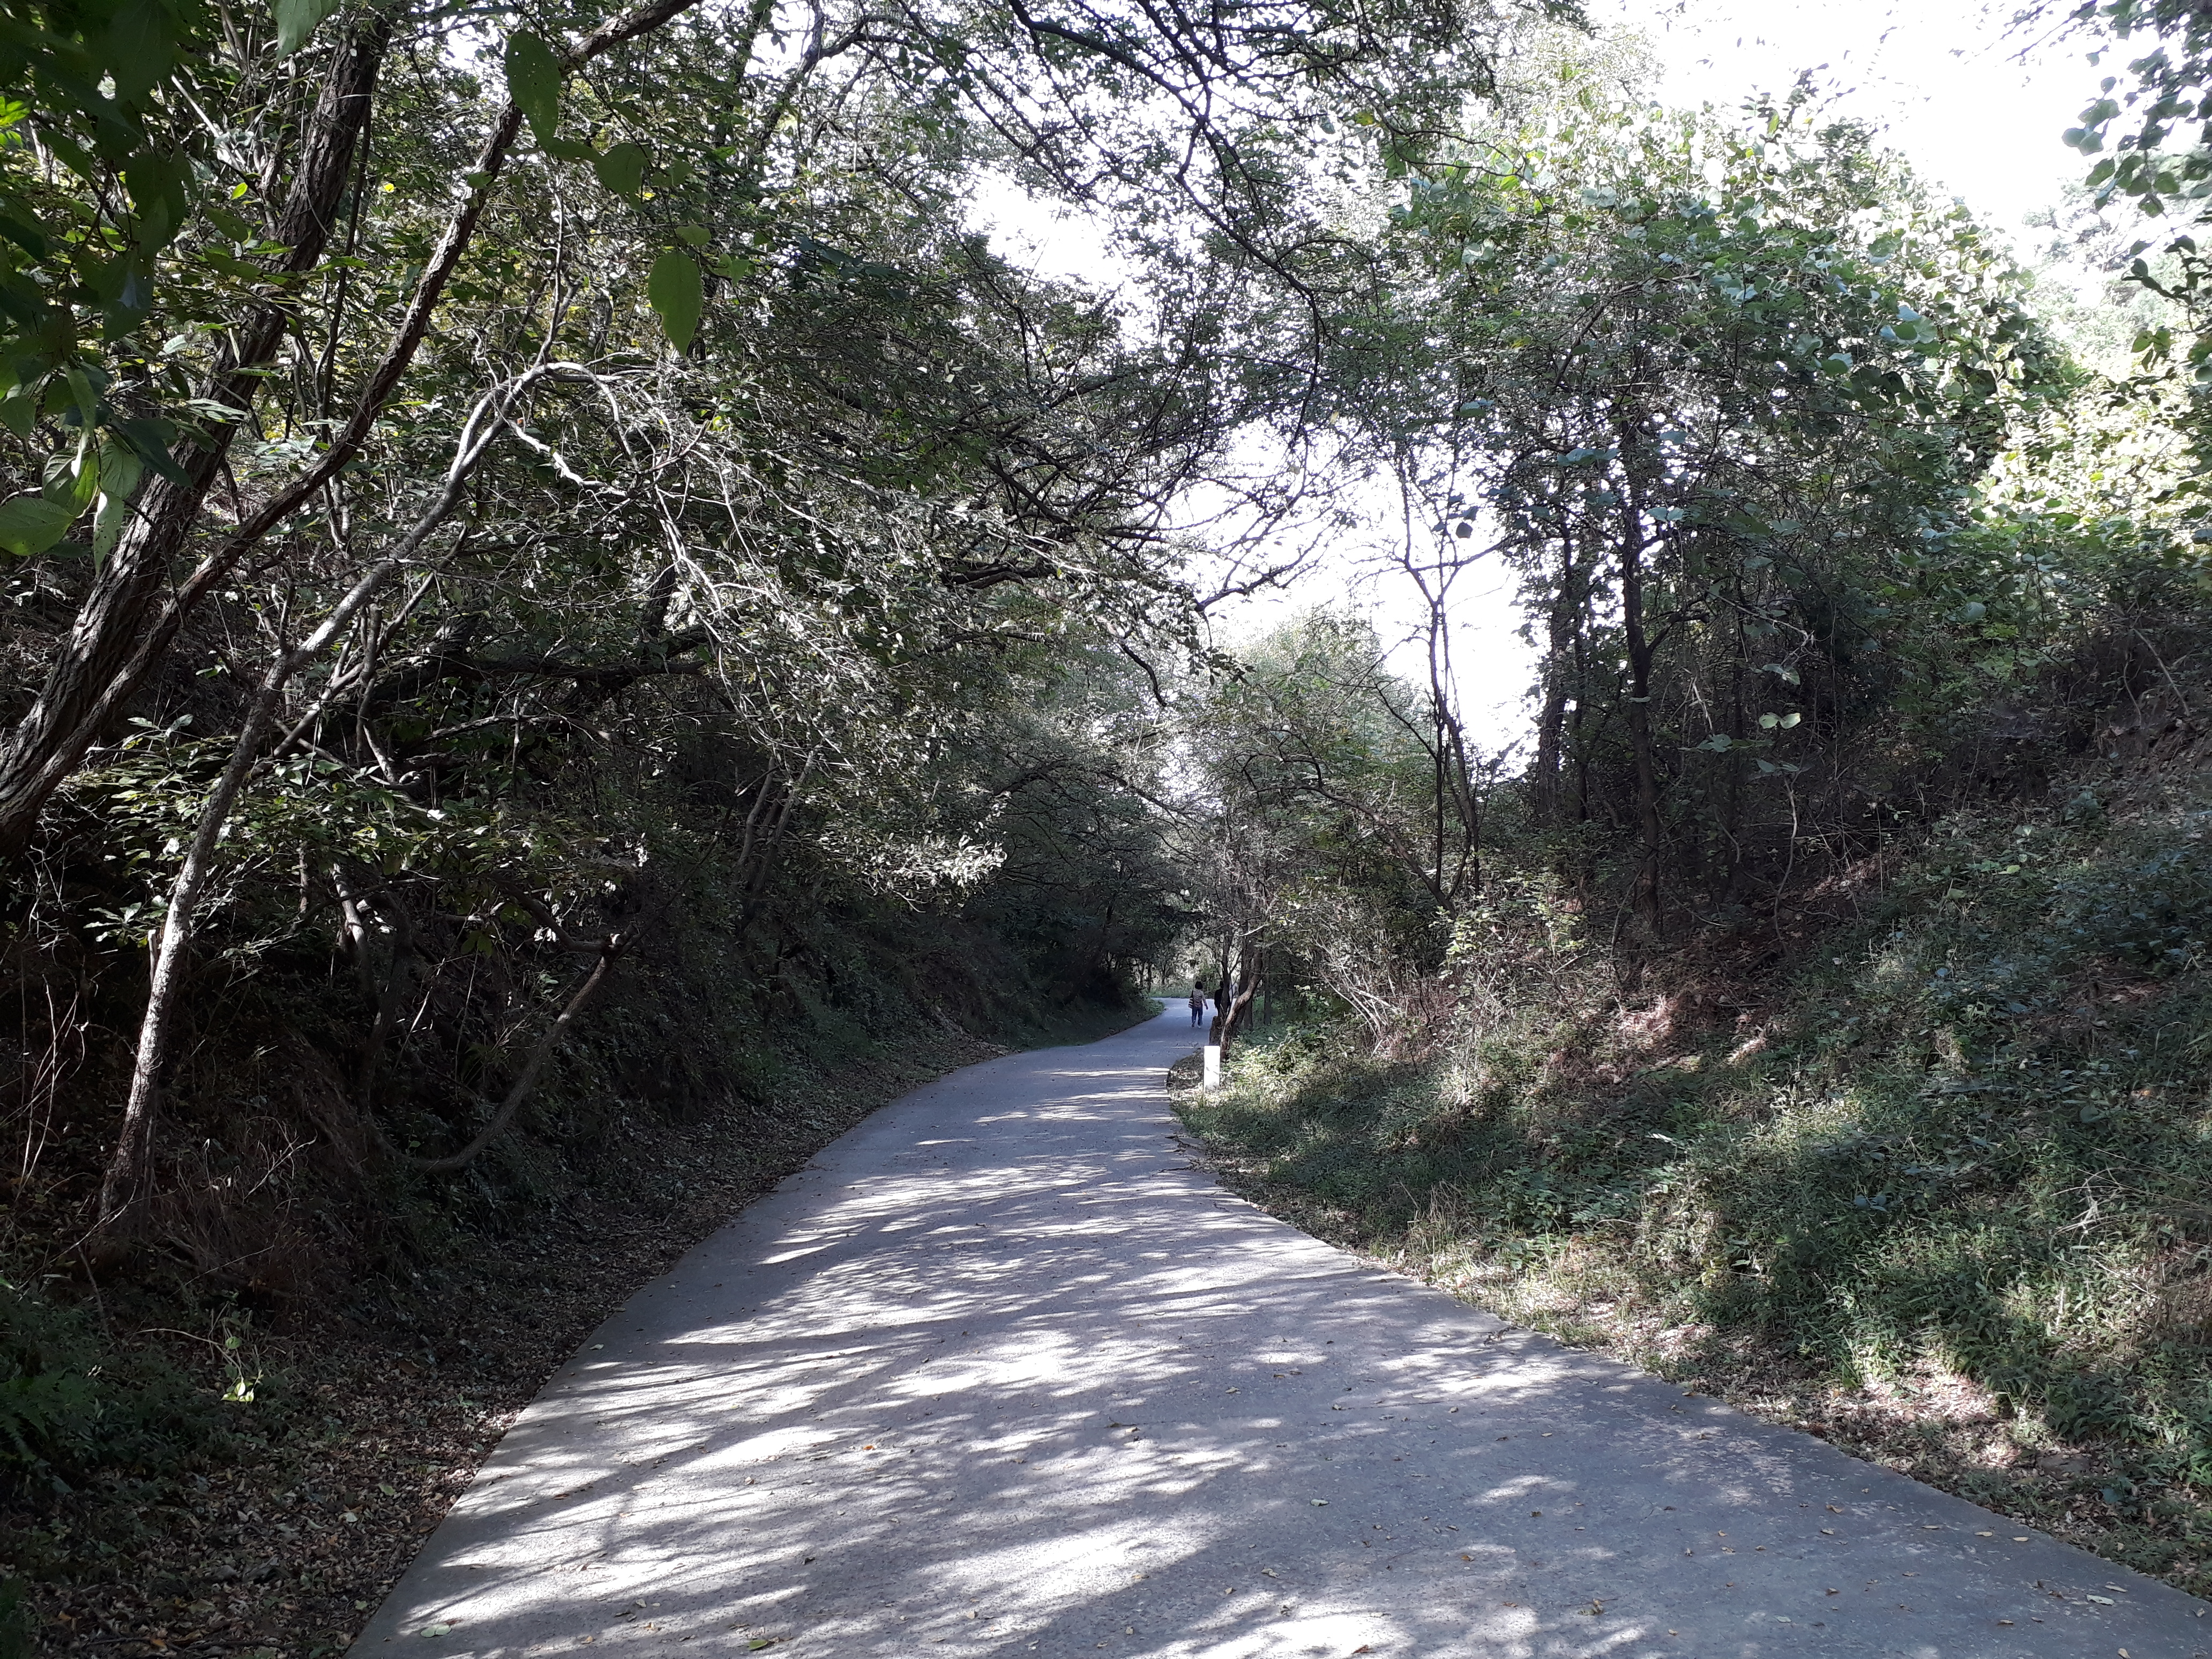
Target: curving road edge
{"points": [[1000, 1373]]}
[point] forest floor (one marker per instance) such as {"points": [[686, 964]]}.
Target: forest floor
{"points": [[370, 1428]]}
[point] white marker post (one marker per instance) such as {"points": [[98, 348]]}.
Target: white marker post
{"points": [[1214, 1066]]}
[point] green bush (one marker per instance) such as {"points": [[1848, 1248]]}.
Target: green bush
{"points": [[72, 1406], [1973, 1137]]}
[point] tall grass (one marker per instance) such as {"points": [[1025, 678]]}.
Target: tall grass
{"points": [[1942, 1190]]}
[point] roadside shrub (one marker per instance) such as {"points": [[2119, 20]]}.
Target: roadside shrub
{"points": [[1968, 1138], [72, 1404]]}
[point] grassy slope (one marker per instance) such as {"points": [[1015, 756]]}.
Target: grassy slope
{"points": [[1940, 1190]]}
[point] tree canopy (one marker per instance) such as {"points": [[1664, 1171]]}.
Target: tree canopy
{"points": [[564, 570]]}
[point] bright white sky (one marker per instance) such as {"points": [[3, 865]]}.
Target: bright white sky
{"points": [[1940, 78]]}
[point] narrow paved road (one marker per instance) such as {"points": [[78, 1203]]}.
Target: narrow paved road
{"points": [[999, 1373]]}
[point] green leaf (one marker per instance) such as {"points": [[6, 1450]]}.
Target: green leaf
{"points": [[74, 155], [230, 224], [29, 525], [297, 22], [162, 192], [693, 235], [622, 168], [72, 478], [149, 439], [534, 79], [25, 235], [119, 473], [676, 290], [138, 50]]}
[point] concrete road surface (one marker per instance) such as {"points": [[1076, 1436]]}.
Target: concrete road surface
{"points": [[1000, 1373]]}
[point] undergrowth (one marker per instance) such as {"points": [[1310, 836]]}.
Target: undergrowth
{"points": [[1937, 1190], [256, 1483], [237, 1441]]}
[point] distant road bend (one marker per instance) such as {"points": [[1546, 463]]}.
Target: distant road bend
{"points": [[1000, 1373]]}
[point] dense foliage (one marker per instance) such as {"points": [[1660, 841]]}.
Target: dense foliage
{"points": [[1814, 1008], [562, 592], [2152, 145], [565, 588], [482, 482]]}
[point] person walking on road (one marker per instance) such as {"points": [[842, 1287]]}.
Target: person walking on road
{"points": [[1197, 1006]]}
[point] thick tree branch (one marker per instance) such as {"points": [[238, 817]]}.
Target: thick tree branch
{"points": [[610, 952]]}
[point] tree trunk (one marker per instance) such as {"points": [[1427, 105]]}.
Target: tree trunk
{"points": [[117, 639], [120, 1185], [1650, 828], [540, 1052], [1739, 864], [1229, 1011], [104, 639], [1565, 630], [1457, 816]]}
